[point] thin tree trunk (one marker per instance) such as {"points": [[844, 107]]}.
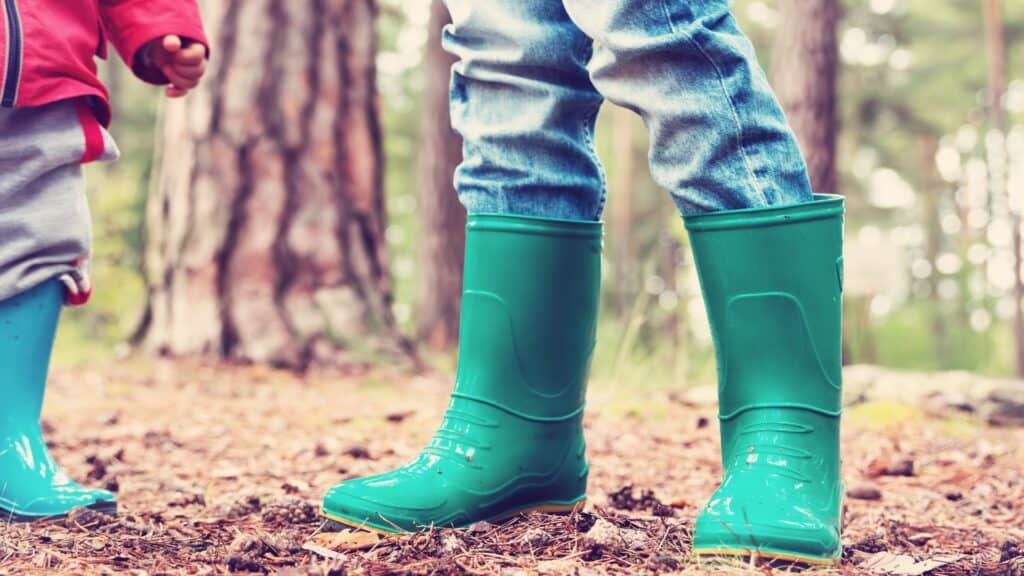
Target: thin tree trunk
{"points": [[995, 44], [266, 215], [622, 242], [804, 75], [442, 238], [933, 191]]}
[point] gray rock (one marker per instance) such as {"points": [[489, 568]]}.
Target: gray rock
{"points": [[998, 401], [610, 536]]}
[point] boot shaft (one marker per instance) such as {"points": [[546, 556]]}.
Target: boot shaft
{"points": [[772, 284], [28, 324], [529, 313]]}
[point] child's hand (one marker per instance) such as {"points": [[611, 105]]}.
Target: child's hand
{"points": [[183, 63]]}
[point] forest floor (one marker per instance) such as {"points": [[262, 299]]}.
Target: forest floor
{"points": [[219, 470]]}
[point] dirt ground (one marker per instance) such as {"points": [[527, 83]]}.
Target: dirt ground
{"points": [[219, 470]]}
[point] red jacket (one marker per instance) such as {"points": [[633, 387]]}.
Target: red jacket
{"points": [[47, 46]]}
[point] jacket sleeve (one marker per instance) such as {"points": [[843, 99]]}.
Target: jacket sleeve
{"points": [[131, 24]]}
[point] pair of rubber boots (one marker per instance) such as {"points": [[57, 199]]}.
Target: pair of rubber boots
{"points": [[512, 437]]}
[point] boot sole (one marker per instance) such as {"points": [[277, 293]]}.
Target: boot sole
{"points": [[108, 508], [543, 508], [769, 555]]}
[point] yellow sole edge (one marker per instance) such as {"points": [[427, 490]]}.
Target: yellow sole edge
{"points": [[544, 508], [357, 525], [768, 555]]}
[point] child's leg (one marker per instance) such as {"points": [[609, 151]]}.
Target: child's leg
{"points": [[769, 257], [45, 229], [512, 438], [523, 102], [719, 140], [44, 233]]}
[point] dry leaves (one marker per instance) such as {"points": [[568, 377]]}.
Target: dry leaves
{"points": [[220, 470], [903, 565], [333, 544]]}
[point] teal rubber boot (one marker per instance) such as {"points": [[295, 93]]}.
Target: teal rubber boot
{"points": [[772, 283], [512, 438], [32, 485]]}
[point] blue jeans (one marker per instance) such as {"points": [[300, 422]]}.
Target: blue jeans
{"points": [[532, 74]]}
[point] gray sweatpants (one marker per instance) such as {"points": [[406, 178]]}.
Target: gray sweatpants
{"points": [[45, 230]]}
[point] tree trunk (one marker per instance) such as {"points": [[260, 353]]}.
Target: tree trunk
{"points": [[804, 73], [266, 218], [934, 238], [442, 238], [995, 47], [622, 241]]}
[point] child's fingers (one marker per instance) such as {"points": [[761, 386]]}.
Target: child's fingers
{"points": [[178, 80], [195, 71], [175, 92], [171, 44], [184, 66], [191, 55]]}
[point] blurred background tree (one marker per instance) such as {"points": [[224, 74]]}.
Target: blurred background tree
{"points": [[923, 100], [805, 71], [441, 238], [265, 223]]}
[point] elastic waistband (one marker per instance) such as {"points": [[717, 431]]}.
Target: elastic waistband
{"points": [[516, 224], [823, 206]]}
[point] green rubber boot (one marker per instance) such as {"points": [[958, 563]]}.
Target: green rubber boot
{"points": [[512, 438], [32, 485], [772, 283]]}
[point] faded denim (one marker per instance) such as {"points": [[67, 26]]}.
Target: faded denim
{"points": [[532, 74]]}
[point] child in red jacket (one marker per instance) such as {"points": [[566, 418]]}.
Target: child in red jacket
{"points": [[53, 117]]}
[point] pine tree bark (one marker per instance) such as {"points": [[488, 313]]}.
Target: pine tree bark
{"points": [[265, 222], [442, 218], [804, 74]]}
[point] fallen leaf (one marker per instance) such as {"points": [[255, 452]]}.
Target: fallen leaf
{"points": [[902, 565], [346, 541], [322, 552]]}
